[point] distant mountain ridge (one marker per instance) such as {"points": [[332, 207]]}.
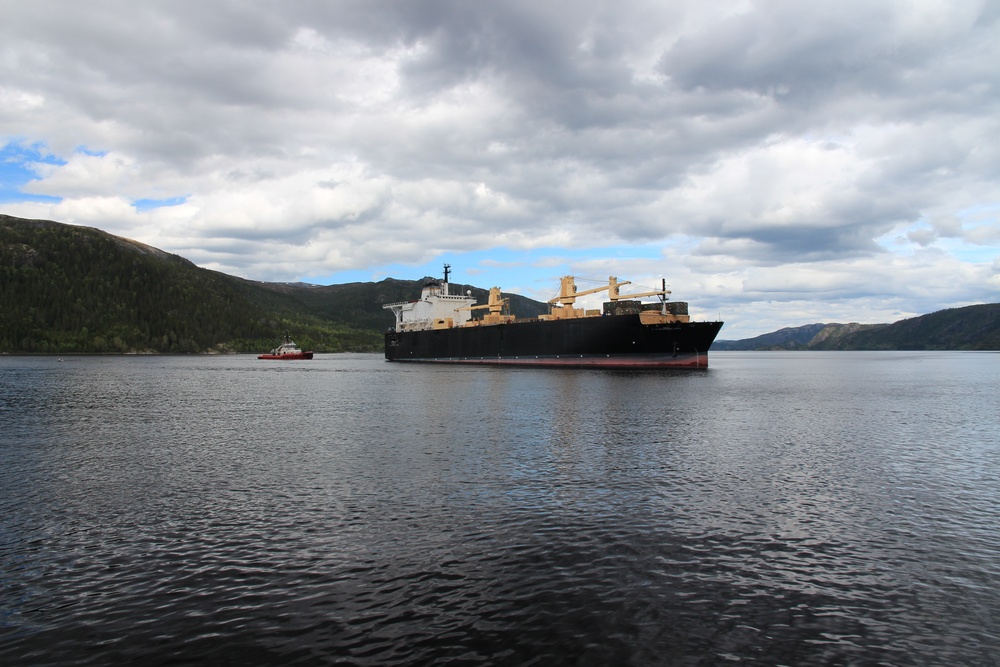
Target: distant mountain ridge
{"points": [[968, 328], [70, 289], [789, 338]]}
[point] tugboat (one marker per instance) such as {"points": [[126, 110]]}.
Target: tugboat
{"points": [[626, 334], [287, 350]]}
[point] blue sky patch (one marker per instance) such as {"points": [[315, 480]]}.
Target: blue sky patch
{"points": [[538, 269], [149, 204], [16, 171], [83, 150]]}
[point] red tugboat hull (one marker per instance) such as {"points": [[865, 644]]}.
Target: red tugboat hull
{"points": [[287, 350], [294, 355]]}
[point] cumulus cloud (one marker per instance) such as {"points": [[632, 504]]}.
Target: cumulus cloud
{"points": [[753, 144]]}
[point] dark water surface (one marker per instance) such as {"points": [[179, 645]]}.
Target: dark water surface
{"points": [[776, 509]]}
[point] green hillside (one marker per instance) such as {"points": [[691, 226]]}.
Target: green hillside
{"points": [[65, 288], [968, 328]]}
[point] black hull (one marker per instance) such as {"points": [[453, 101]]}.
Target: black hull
{"points": [[612, 341]]}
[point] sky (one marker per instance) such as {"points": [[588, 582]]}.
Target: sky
{"points": [[777, 163]]}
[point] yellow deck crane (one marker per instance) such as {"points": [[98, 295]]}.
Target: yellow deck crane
{"points": [[498, 306]]}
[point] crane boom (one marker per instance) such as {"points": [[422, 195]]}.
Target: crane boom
{"points": [[662, 292], [659, 292], [568, 292]]}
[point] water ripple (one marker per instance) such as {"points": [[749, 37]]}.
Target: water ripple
{"points": [[797, 510]]}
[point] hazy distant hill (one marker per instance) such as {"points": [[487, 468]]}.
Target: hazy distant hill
{"points": [[789, 338], [65, 289], [969, 328]]}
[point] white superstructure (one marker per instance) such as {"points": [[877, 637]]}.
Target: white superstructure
{"points": [[436, 308]]}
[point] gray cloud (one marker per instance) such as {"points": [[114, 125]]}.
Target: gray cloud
{"points": [[757, 136]]}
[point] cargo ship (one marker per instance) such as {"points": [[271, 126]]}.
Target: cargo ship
{"points": [[626, 334]]}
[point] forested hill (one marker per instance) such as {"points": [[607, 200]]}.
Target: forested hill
{"points": [[968, 328], [66, 288]]}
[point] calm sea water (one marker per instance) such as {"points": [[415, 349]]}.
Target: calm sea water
{"points": [[776, 509]]}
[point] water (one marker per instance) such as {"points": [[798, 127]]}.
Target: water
{"points": [[776, 509]]}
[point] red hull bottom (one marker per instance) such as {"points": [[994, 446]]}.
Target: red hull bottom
{"points": [[304, 355], [636, 362]]}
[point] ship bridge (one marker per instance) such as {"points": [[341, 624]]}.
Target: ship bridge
{"points": [[436, 309]]}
